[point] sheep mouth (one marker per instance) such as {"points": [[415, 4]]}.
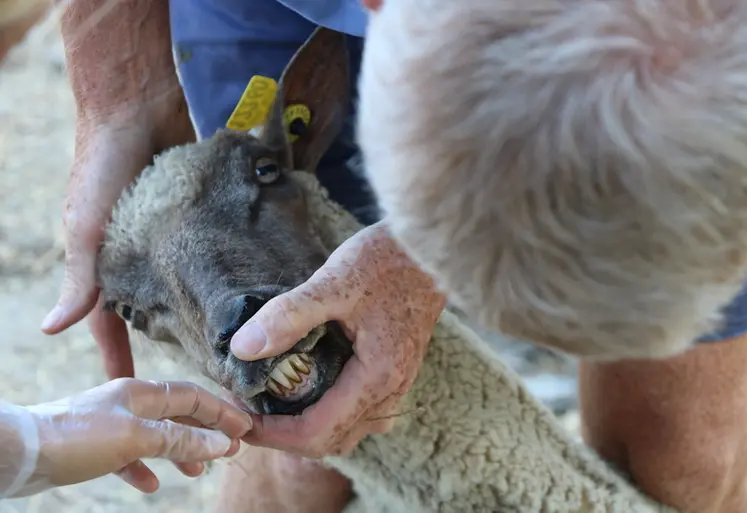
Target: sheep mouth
{"points": [[300, 377]]}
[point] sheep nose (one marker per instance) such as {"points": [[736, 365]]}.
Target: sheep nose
{"points": [[236, 312]]}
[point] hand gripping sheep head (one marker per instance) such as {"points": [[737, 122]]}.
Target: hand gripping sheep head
{"points": [[213, 230]]}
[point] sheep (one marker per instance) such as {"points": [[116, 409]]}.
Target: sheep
{"points": [[213, 229]]}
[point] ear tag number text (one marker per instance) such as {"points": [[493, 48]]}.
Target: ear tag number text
{"points": [[254, 105]]}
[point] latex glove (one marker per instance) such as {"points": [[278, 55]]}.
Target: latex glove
{"points": [[387, 306], [108, 429], [127, 111]]}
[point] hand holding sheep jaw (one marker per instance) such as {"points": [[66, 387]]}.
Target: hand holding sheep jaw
{"points": [[283, 384], [290, 373], [299, 378]]}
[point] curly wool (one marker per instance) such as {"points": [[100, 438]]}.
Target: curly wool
{"points": [[571, 173]]}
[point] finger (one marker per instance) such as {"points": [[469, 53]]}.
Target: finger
{"points": [[385, 412], [185, 444], [106, 161], [358, 433], [381, 419], [190, 469], [351, 441], [287, 318], [234, 449], [78, 294], [139, 476], [321, 426], [189, 421], [378, 419], [110, 333], [176, 399]]}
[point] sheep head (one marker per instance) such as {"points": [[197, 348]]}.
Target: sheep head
{"points": [[212, 230]]}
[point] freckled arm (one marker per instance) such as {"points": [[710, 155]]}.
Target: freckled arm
{"points": [[121, 66]]}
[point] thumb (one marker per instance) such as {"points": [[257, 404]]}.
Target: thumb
{"points": [[284, 320], [78, 295], [178, 442]]}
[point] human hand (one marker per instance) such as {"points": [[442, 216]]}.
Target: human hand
{"points": [[107, 159], [109, 428], [388, 308], [127, 111]]}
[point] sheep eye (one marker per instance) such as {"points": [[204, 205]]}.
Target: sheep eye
{"points": [[267, 171], [124, 311]]}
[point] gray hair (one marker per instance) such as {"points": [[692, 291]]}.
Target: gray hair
{"points": [[572, 172]]}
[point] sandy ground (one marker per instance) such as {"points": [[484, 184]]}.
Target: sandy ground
{"points": [[36, 148]]}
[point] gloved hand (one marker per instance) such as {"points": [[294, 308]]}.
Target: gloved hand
{"points": [[108, 429]]}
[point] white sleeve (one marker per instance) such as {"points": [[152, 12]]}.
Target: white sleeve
{"points": [[19, 452]]}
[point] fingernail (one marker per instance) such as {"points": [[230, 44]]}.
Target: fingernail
{"points": [[249, 422], [248, 341], [234, 449], [52, 318]]}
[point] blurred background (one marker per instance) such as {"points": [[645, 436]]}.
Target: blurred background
{"points": [[36, 149]]}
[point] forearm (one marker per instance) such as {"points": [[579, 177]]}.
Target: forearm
{"points": [[121, 67]]}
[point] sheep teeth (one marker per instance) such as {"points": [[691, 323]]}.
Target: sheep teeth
{"points": [[300, 363], [286, 368], [275, 388], [288, 373], [281, 379]]}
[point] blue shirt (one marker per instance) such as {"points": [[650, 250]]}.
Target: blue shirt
{"points": [[234, 20], [221, 44]]}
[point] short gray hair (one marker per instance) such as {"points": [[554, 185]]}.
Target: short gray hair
{"points": [[573, 173]]}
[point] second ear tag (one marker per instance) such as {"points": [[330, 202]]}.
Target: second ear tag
{"points": [[297, 118]]}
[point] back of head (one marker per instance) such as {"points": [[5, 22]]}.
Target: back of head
{"points": [[574, 173]]}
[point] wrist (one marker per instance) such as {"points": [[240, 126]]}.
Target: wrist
{"points": [[55, 460], [20, 440], [419, 280]]}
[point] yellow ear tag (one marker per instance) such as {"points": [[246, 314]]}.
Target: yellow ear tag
{"points": [[297, 118], [254, 105]]}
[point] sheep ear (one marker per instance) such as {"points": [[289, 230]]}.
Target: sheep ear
{"points": [[315, 86]]}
